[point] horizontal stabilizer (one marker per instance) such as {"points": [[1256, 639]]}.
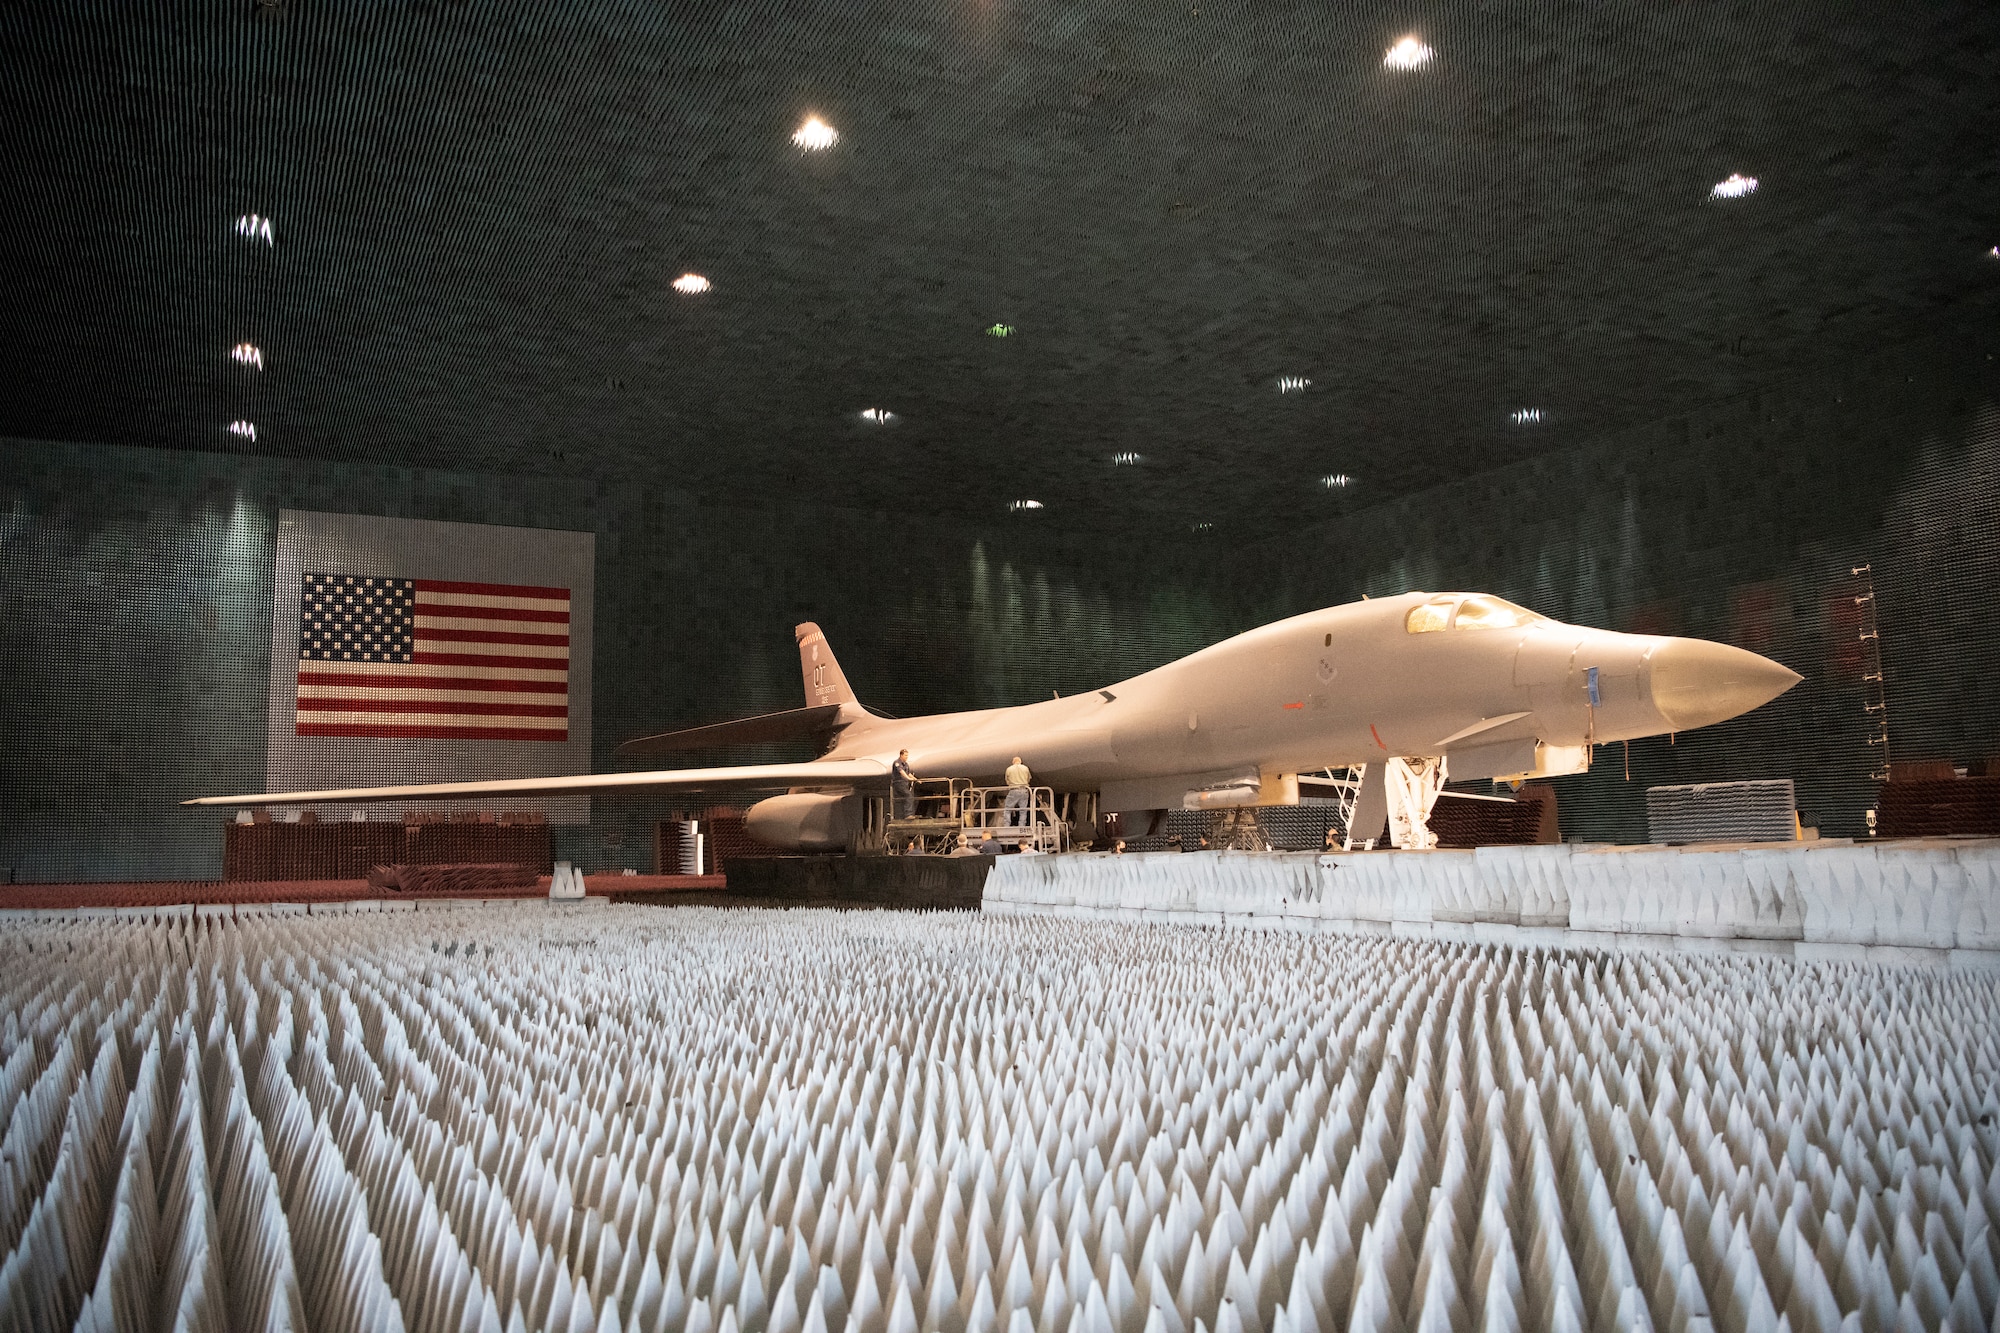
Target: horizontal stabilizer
{"points": [[774, 777], [792, 724]]}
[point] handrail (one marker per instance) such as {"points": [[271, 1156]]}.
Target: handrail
{"points": [[985, 810], [975, 811]]}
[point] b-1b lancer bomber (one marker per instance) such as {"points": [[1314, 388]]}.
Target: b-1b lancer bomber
{"points": [[1411, 687]]}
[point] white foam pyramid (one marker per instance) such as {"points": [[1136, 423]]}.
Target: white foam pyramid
{"points": [[811, 1122]]}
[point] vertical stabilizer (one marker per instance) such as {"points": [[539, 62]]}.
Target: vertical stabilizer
{"points": [[826, 683]]}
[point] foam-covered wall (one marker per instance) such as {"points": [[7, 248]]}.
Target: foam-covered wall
{"points": [[135, 616], [1741, 521], [135, 598], [727, 1122]]}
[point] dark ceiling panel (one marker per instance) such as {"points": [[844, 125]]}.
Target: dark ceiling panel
{"points": [[478, 209]]}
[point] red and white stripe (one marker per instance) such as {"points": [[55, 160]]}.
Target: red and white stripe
{"points": [[489, 661]]}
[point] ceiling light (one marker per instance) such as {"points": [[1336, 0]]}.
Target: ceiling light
{"points": [[1339, 481], [247, 354], [1522, 416], [1734, 188], [1018, 505], [1994, 253], [1292, 383], [243, 429], [1127, 459], [254, 227], [691, 284], [999, 330], [815, 134], [880, 416], [1410, 53]]}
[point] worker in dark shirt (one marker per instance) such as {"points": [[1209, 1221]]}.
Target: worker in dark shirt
{"points": [[903, 786]]}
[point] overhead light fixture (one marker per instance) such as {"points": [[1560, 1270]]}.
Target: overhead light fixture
{"points": [[1523, 416], [880, 416], [815, 134], [243, 430], [1018, 505], [1734, 188], [1127, 459], [247, 354], [1410, 53], [1994, 253], [255, 228], [691, 284], [1339, 481], [999, 330], [1292, 383]]}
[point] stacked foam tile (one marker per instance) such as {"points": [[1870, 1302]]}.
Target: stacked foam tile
{"points": [[1761, 811], [786, 1123]]}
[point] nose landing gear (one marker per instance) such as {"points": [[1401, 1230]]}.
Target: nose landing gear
{"points": [[1402, 792]]}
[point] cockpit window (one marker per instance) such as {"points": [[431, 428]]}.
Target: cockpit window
{"points": [[1432, 615], [1482, 612], [1477, 611]]}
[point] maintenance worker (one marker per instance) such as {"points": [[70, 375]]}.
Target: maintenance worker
{"points": [[903, 787], [1019, 799]]}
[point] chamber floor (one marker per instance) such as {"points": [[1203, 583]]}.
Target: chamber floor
{"points": [[525, 1117]]}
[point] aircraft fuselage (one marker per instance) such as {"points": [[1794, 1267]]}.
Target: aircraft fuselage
{"points": [[1346, 685], [1493, 689]]}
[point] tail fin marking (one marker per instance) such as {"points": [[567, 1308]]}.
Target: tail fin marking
{"points": [[825, 682]]}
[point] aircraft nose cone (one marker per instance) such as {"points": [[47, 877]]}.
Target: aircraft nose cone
{"points": [[1695, 682]]}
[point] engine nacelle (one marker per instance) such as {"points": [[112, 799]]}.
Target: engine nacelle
{"points": [[806, 821]]}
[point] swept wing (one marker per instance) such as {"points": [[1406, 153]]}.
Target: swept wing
{"points": [[753, 777]]}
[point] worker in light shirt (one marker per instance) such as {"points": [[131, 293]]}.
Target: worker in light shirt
{"points": [[1019, 779]]}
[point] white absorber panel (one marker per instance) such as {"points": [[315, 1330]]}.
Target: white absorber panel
{"points": [[1908, 900], [806, 1122]]}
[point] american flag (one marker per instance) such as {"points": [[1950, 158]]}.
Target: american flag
{"points": [[425, 657]]}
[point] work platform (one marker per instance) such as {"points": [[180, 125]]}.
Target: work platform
{"points": [[947, 815], [1934, 902]]}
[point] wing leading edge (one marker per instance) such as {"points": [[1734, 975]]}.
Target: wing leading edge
{"points": [[831, 772]]}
